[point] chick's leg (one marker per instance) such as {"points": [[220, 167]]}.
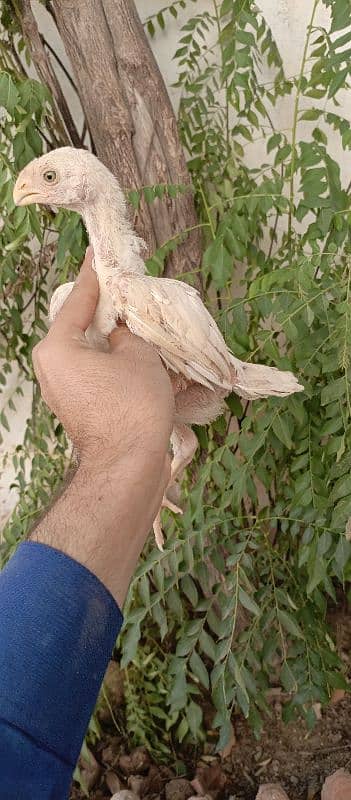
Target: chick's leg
{"points": [[184, 444], [193, 404]]}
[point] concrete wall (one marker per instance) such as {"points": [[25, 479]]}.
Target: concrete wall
{"points": [[288, 20]]}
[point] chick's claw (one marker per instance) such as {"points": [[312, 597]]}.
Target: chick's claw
{"points": [[157, 526]]}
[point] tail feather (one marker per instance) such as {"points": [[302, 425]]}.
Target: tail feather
{"points": [[256, 380]]}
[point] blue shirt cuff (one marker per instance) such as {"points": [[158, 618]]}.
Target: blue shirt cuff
{"points": [[58, 627]]}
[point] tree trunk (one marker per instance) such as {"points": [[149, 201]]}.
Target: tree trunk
{"points": [[130, 116]]}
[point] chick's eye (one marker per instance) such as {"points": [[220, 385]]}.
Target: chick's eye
{"points": [[50, 176]]}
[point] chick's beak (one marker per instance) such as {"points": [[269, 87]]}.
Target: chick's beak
{"points": [[22, 193]]}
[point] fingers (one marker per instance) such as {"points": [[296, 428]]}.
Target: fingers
{"points": [[121, 339], [123, 342], [78, 310], [119, 335]]}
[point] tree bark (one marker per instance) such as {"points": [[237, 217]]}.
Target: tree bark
{"points": [[130, 116]]}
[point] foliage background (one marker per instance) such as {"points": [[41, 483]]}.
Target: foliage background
{"points": [[238, 601]]}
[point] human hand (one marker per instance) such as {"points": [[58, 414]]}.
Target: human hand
{"points": [[107, 402], [117, 408]]}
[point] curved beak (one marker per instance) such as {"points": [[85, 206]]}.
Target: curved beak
{"points": [[22, 195]]}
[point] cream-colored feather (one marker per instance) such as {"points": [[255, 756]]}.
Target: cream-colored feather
{"points": [[171, 315]]}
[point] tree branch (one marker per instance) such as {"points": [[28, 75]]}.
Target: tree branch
{"points": [[42, 63]]}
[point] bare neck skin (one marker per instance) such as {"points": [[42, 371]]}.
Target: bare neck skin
{"points": [[115, 243]]}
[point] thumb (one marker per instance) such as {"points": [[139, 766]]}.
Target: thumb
{"points": [[78, 310]]}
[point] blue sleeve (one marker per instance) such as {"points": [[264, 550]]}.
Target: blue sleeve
{"points": [[58, 626]]}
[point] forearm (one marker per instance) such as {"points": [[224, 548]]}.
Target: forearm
{"points": [[98, 520]]}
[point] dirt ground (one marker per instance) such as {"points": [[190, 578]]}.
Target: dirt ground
{"points": [[291, 755], [287, 754]]}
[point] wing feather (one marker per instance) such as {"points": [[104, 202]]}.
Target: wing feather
{"points": [[171, 315]]}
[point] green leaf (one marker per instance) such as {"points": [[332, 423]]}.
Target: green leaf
{"points": [[287, 678], [197, 666], [178, 694], [8, 93], [190, 590], [317, 575], [134, 198], [219, 262], [337, 82], [160, 20], [226, 7], [248, 602], [311, 114], [207, 645], [185, 645], [333, 391], [182, 730], [341, 10], [273, 142], [341, 488], [194, 717], [245, 37], [282, 154], [281, 430], [130, 643], [290, 624], [149, 194]]}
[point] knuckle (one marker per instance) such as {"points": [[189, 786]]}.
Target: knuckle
{"points": [[41, 357]]}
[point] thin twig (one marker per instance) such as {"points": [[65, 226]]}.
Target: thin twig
{"points": [[60, 63]]}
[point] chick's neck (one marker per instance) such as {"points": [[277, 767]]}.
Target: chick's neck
{"points": [[116, 245]]}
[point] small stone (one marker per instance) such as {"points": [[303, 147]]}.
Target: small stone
{"points": [[125, 794], [200, 797], [113, 782], [135, 783], [140, 760], [271, 791], [208, 748], [197, 786], [90, 770], [114, 688], [210, 780], [225, 753], [338, 694], [312, 789], [155, 780], [294, 780], [114, 682], [125, 765], [110, 753], [178, 789], [337, 786]]}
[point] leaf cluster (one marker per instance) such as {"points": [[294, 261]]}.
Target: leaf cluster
{"points": [[239, 599]]}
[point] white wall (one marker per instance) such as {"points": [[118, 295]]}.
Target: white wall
{"points": [[288, 20]]}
